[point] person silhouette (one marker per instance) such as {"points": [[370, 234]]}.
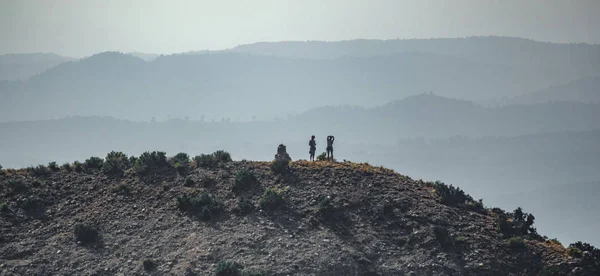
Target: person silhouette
{"points": [[330, 140], [313, 148]]}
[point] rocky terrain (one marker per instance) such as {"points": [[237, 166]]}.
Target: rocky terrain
{"points": [[210, 215]]}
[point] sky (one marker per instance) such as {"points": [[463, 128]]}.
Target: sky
{"points": [[80, 28]]}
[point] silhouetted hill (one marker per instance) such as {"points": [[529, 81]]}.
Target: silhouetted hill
{"points": [[154, 215], [23, 66], [586, 90]]}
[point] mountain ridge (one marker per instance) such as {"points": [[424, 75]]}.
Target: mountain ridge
{"points": [[327, 218]]}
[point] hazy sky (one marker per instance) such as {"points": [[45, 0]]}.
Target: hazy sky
{"points": [[83, 27]]}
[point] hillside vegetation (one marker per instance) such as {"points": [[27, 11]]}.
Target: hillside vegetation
{"points": [[209, 215]]}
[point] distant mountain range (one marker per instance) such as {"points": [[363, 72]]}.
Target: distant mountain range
{"points": [[23, 66], [585, 90]]}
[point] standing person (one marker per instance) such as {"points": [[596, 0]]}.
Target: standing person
{"points": [[330, 139], [313, 148]]}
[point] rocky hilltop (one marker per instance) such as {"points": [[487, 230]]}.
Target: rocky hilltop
{"points": [[208, 215]]}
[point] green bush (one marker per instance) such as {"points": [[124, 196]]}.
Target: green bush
{"points": [[4, 207], [222, 156], [245, 206], [66, 167], [132, 160], [574, 252], [515, 243], [115, 163], [516, 224], [450, 195], [203, 206], [1, 170], [16, 187], [460, 240], [53, 166], [205, 161], [590, 259], [122, 189], [150, 162], [93, 163], [271, 200], [86, 234], [325, 208], [280, 166], [149, 265], [244, 180], [441, 235], [189, 182], [180, 161], [40, 170], [322, 157], [228, 268], [77, 166]]}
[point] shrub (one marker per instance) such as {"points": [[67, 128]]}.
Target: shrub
{"points": [[322, 157], [555, 241], [86, 234], [132, 160], [180, 161], [441, 234], [150, 162], [40, 170], [66, 167], [222, 156], [244, 180], [574, 252], [1, 170], [450, 195], [31, 204], [228, 268], [16, 187], [271, 199], [77, 166], [205, 161], [245, 206], [516, 224], [590, 260], [280, 166], [53, 166], [93, 163], [189, 182], [149, 265], [122, 189], [4, 207], [203, 206], [460, 240], [115, 163], [515, 243], [326, 208]]}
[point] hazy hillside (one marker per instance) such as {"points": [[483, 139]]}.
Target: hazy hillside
{"points": [[586, 90], [123, 86], [571, 59], [309, 219], [23, 66]]}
